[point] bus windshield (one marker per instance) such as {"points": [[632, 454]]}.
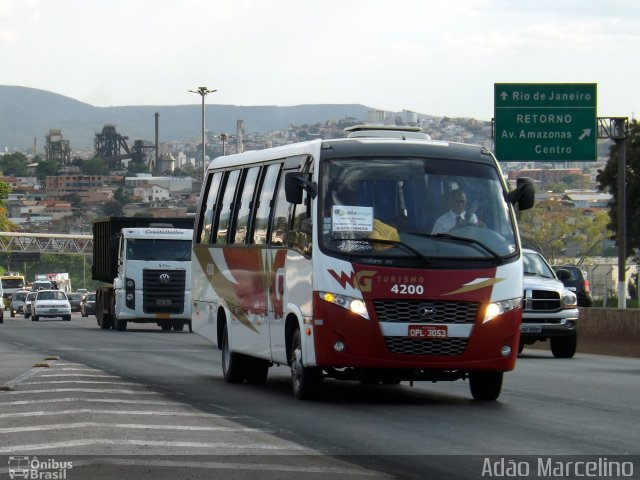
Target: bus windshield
{"points": [[420, 207]]}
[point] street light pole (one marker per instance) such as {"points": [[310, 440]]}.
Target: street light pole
{"points": [[202, 91]]}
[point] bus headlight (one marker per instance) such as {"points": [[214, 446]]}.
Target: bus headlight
{"points": [[496, 309], [355, 305]]}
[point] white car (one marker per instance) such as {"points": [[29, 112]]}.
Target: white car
{"points": [[549, 310], [51, 303]]}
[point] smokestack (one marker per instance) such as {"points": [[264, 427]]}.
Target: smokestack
{"points": [[240, 136]]}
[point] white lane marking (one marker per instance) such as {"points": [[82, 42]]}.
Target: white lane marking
{"points": [[89, 400], [83, 390], [159, 413], [147, 443], [305, 468], [21, 378], [77, 375], [133, 426], [93, 382]]}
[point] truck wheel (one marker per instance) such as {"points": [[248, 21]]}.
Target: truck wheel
{"points": [[178, 326], [121, 325], [564, 347], [67, 318], [485, 386], [305, 380], [190, 327], [34, 318], [13, 314], [233, 364], [165, 326]]}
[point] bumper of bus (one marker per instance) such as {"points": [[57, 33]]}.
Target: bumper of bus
{"points": [[344, 339]]}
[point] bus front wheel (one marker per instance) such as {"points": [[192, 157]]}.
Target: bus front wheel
{"points": [[485, 385], [305, 380]]}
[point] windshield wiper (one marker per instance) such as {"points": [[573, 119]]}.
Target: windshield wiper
{"points": [[448, 236], [394, 243]]}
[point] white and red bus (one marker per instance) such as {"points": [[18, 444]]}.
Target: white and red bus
{"points": [[322, 255]]}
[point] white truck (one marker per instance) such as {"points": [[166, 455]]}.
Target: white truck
{"points": [[147, 265], [60, 281]]}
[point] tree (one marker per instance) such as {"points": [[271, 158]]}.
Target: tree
{"points": [[47, 168], [14, 164], [74, 199], [112, 208], [607, 179], [120, 195], [5, 224], [545, 228], [95, 166]]}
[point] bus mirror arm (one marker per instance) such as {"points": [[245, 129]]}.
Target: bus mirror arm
{"points": [[295, 183], [524, 194]]}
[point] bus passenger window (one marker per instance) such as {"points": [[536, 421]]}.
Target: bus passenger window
{"points": [[241, 222], [207, 216], [280, 221], [265, 199], [301, 233], [226, 206]]}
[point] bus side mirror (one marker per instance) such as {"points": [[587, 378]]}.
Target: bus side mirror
{"points": [[524, 195], [295, 183]]}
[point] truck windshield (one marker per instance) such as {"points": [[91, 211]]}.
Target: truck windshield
{"points": [[154, 249], [422, 207]]}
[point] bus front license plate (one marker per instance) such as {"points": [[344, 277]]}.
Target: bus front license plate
{"points": [[428, 331]]}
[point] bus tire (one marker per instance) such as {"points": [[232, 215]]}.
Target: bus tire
{"points": [[485, 386], [233, 364], [305, 380]]}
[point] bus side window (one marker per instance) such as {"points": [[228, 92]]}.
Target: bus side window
{"points": [[226, 206], [280, 219], [300, 237], [245, 202], [204, 235], [264, 204]]}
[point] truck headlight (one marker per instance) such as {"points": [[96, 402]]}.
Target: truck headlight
{"points": [[355, 305], [569, 299]]}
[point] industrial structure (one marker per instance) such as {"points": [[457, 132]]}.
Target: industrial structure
{"points": [[113, 148], [57, 148]]}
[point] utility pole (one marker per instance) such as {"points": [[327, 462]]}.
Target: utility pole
{"points": [[203, 91]]}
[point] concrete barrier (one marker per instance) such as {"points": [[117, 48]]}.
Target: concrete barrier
{"points": [[609, 331], [606, 331]]}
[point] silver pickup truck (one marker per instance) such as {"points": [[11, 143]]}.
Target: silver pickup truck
{"points": [[550, 310]]}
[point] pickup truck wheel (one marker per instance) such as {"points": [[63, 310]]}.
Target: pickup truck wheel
{"points": [[485, 386], [564, 347], [233, 364]]}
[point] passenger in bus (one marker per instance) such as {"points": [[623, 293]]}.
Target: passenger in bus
{"points": [[457, 216]]}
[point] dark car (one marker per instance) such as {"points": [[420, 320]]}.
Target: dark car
{"points": [[75, 299], [575, 279], [88, 305]]}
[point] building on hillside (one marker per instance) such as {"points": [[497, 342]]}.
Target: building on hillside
{"points": [[173, 184], [61, 185], [151, 192]]}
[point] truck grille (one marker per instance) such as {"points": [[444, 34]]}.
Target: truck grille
{"points": [[163, 291], [542, 301], [443, 347], [424, 311]]}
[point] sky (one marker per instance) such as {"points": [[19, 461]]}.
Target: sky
{"points": [[436, 57]]}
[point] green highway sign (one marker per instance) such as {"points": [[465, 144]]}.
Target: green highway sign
{"points": [[545, 122]]}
